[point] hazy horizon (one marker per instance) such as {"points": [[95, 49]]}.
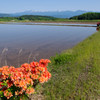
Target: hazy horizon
{"points": [[14, 6], [47, 11]]}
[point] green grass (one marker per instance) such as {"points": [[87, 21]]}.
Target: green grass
{"points": [[76, 72], [42, 19]]}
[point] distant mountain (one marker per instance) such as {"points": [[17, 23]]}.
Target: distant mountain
{"points": [[58, 14], [4, 15]]}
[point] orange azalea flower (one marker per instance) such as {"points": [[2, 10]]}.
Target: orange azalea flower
{"points": [[16, 83], [34, 64], [9, 83], [26, 67], [47, 74], [23, 85], [34, 77], [30, 91], [42, 79], [1, 70], [44, 62], [5, 67], [4, 77], [24, 77], [7, 94], [21, 91], [29, 81], [17, 92], [42, 69]]}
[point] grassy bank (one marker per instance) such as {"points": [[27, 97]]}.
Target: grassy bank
{"points": [[76, 72]]}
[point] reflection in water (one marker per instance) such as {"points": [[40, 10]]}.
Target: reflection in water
{"points": [[24, 43]]}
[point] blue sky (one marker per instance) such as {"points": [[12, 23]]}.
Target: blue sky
{"points": [[12, 6]]}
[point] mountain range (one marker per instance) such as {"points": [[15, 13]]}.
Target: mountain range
{"points": [[57, 14], [4, 15]]}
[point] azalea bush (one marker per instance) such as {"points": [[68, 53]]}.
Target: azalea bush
{"points": [[20, 82]]}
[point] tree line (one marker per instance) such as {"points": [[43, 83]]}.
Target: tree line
{"points": [[87, 16], [28, 17]]}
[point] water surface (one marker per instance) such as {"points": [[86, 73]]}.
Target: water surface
{"points": [[24, 43]]}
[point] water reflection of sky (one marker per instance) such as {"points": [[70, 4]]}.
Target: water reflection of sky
{"points": [[40, 41], [55, 24]]}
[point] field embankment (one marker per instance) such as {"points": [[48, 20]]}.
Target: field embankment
{"points": [[76, 72]]}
